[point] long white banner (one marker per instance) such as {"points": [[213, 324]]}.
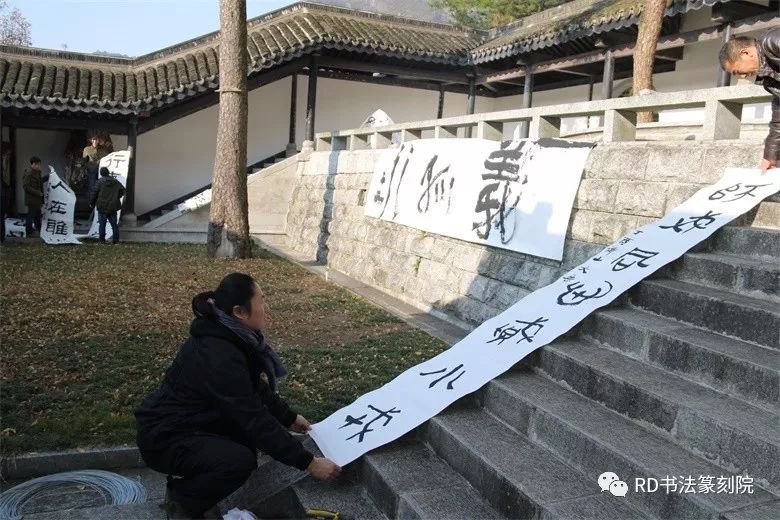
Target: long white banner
{"points": [[59, 202], [515, 195], [117, 163], [423, 391]]}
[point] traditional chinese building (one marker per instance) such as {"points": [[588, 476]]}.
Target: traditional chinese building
{"points": [[318, 68]]}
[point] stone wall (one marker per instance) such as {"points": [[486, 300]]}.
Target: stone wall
{"points": [[625, 185]]}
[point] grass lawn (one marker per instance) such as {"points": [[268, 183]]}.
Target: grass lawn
{"points": [[87, 331]]}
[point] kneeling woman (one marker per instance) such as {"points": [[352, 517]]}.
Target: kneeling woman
{"points": [[212, 410]]}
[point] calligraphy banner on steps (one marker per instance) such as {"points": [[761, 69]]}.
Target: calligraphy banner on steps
{"points": [[117, 163], [59, 202], [423, 391], [515, 195]]}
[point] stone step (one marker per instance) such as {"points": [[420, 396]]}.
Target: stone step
{"points": [[406, 479], [148, 511], [519, 478], [739, 316], [767, 215], [725, 430], [595, 439], [345, 496], [757, 277], [735, 367], [747, 241]]}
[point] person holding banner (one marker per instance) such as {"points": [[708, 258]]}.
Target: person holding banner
{"points": [[745, 56], [107, 200], [91, 156], [32, 182], [212, 410]]}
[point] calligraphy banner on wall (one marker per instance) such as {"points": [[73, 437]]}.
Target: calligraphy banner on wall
{"points": [[117, 163], [496, 345], [59, 202], [515, 195]]}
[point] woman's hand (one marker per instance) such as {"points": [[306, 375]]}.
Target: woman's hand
{"points": [[323, 469], [301, 425]]}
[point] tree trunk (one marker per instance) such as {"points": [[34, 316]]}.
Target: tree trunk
{"points": [[228, 233], [644, 53]]}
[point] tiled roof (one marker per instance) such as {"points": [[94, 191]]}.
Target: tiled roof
{"points": [[569, 21], [61, 81]]}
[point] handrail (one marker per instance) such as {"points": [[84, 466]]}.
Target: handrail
{"points": [[722, 119]]}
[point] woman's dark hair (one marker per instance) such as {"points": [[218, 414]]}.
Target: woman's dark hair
{"points": [[234, 289]]}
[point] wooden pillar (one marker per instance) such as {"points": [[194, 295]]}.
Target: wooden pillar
{"points": [[292, 148], [528, 93], [311, 100], [724, 78], [132, 145], [471, 101], [13, 209], [609, 75], [440, 111], [590, 88]]}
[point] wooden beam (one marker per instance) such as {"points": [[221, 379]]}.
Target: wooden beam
{"points": [[673, 41], [393, 70], [392, 81], [63, 122]]}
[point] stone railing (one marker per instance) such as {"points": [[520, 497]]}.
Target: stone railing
{"points": [[722, 119]]}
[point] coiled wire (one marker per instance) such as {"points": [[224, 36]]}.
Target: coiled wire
{"points": [[115, 489]]}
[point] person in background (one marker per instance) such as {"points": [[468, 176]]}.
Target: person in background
{"points": [[744, 56], [91, 156], [107, 200], [213, 410], [32, 183]]}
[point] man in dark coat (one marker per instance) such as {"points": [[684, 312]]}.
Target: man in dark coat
{"points": [[212, 410], [32, 182], [107, 200], [744, 56]]}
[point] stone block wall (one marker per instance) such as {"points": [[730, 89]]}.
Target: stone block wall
{"points": [[624, 186]]}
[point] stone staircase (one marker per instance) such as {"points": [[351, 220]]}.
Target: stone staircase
{"points": [[680, 377]]}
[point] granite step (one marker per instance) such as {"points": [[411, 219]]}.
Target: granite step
{"points": [[727, 431], [148, 511], [746, 241], [735, 367], [758, 277], [518, 477], [750, 319], [595, 439], [345, 495], [406, 479]]}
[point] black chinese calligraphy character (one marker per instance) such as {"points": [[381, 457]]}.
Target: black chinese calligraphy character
{"points": [[700, 222], [507, 331], [56, 227], [734, 191], [435, 183], [381, 414], [575, 293], [569, 277], [611, 249], [636, 257], [445, 376], [504, 168], [56, 206], [384, 197], [625, 241], [583, 269], [60, 185]]}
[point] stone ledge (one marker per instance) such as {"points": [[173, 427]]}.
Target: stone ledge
{"points": [[37, 464]]}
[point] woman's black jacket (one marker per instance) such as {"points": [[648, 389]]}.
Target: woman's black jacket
{"points": [[214, 387]]}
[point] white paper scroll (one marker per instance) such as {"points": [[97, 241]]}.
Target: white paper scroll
{"points": [[59, 202], [515, 195], [14, 228], [495, 346], [117, 163], [378, 118]]}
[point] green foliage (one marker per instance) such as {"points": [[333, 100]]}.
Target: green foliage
{"points": [[482, 14]]}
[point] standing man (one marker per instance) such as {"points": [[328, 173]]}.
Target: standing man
{"points": [[92, 155], [107, 199], [745, 56], [32, 182]]}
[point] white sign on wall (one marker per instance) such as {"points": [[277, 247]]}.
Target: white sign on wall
{"points": [[423, 391], [117, 163], [515, 195]]}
